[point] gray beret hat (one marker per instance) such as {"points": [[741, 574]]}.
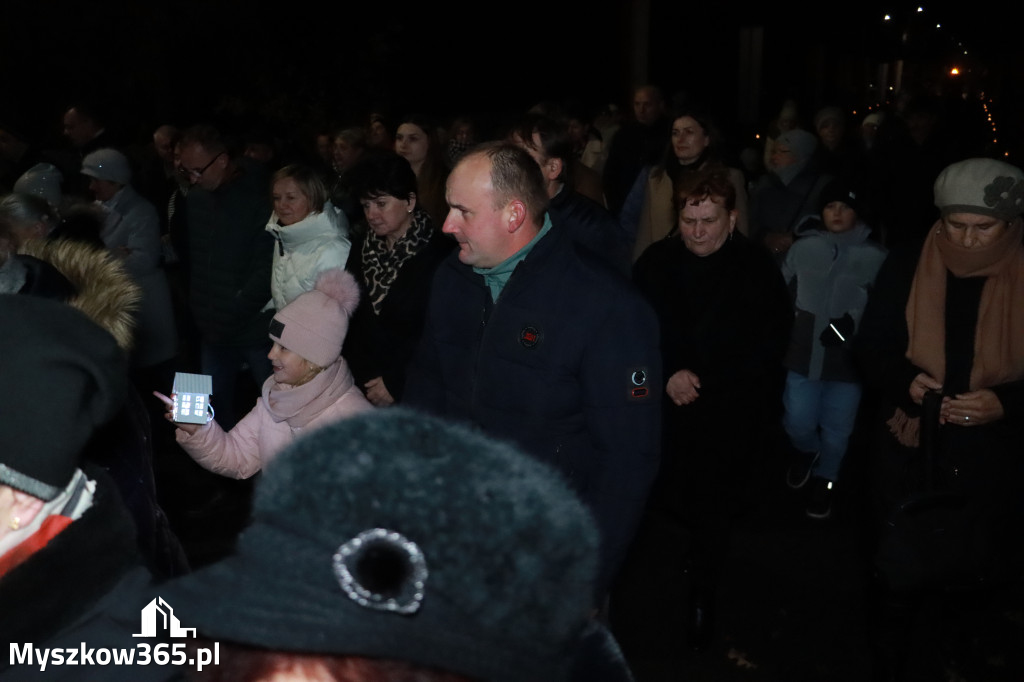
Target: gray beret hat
{"points": [[983, 186], [399, 536]]}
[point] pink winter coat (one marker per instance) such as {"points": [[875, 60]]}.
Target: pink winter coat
{"points": [[280, 416]]}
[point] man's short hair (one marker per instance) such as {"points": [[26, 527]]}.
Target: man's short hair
{"points": [[553, 133], [309, 182], [353, 137], [515, 175], [207, 137], [170, 132], [654, 90], [89, 111], [555, 142], [696, 186]]}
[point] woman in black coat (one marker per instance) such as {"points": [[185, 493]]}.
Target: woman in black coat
{"points": [[725, 317], [394, 263], [948, 320]]}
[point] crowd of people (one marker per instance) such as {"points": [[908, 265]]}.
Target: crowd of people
{"points": [[663, 320]]}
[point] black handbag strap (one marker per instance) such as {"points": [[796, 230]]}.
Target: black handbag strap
{"points": [[931, 405]]}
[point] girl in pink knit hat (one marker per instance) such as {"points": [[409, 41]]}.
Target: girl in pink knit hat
{"points": [[311, 384]]}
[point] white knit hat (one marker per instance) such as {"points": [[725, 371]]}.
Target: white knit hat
{"points": [[107, 164]]}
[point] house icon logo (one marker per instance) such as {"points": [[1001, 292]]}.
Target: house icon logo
{"points": [[158, 615]]}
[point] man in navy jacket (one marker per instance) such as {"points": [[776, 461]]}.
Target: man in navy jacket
{"points": [[538, 341]]}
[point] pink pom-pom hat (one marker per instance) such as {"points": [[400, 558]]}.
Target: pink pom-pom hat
{"points": [[314, 325]]}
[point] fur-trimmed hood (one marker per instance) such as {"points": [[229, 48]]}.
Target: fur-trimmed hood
{"points": [[105, 291]]}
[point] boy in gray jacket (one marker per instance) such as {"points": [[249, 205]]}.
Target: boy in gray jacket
{"points": [[831, 267]]}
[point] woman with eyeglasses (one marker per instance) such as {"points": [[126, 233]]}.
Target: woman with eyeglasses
{"points": [[230, 260]]}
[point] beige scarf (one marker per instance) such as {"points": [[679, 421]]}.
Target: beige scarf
{"points": [[999, 336], [299, 405]]}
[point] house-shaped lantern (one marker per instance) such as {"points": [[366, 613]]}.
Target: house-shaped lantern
{"points": [[192, 397]]}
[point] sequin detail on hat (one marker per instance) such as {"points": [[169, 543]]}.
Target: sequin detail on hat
{"points": [[382, 570]]}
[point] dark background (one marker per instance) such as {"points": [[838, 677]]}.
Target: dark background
{"points": [[156, 62]]}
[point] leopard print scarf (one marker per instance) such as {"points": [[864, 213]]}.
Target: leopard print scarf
{"points": [[381, 264]]}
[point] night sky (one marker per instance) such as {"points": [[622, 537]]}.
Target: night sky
{"points": [[156, 62]]}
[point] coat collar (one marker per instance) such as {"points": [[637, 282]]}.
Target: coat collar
{"points": [[123, 199], [538, 257], [315, 225]]}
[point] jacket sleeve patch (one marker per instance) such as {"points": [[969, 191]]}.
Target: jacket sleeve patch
{"points": [[637, 385]]}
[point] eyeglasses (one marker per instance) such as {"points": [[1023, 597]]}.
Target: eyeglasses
{"points": [[194, 175]]}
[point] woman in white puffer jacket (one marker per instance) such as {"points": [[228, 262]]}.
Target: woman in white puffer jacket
{"points": [[311, 234]]}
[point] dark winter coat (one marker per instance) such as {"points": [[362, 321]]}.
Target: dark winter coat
{"points": [[230, 257], [725, 317], [565, 364], [104, 291], [35, 277], [778, 208], [635, 145], [983, 462], [383, 344], [591, 225]]}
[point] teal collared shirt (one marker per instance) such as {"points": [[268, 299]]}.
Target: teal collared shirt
{"points": [[497, 277]]}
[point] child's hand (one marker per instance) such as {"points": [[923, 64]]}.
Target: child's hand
{"points": [[169, 414]]}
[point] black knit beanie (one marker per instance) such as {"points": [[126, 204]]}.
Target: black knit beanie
{"points": [[840, 190], [398, 536], [61, 377]]}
